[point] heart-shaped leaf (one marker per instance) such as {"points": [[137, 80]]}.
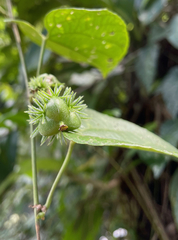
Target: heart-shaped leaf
{"points": [[97, 37], [102, 130]]}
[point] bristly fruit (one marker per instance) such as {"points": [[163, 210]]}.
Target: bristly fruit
{"points": [[57, 109], [73, 122], [48, 127], [54, 113], [43, 82]]}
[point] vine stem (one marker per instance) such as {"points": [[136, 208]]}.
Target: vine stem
{"points": [[33, 150], [58, 177], [41, 56]]}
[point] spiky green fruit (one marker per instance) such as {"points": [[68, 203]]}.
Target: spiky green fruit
{"points": [[57, 109], [49, 127], [73, 122]]}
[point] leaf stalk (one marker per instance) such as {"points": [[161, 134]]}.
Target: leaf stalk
{"points": [[58, 177], [40, 62]]}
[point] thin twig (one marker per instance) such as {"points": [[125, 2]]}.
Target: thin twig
{"points": [[144, 200], [157, 224], [96, 183]]}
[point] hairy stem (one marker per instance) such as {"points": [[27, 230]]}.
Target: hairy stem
{"points": [[33, 151], [41, 56], [61, 171]]}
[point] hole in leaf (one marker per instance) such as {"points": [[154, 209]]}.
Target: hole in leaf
{"points": [[110, 60], [71, 12], [112, 33], [103, 34], [97, 27], [58, 25], [98, 13], [50, 24], [103, 42]]}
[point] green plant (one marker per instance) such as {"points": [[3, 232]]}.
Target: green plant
{"points": [[98, 129]]}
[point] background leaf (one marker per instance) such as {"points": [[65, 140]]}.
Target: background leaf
{"points": [[151, 10], [8, 149], [169, 90], [173, 195], [157, 33], [172, 35], [102, 130], [169, 131], [146, 64]]}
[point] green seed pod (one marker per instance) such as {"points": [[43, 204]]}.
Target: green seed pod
{"points": [[49, 127], [73, 122], [57, 109]]}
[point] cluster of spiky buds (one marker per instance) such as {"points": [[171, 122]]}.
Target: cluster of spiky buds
{"points": [[54, 113], [43, 82]]}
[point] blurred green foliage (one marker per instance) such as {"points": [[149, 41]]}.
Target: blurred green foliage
{"points": [[93, 199]]}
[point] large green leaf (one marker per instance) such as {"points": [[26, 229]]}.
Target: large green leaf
{"points": [[97, 37], [100, 130]]}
